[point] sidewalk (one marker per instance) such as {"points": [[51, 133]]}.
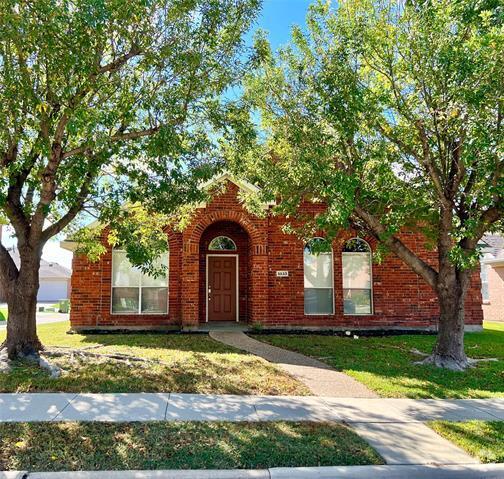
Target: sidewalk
{"points": [[320, 378], [207, 407], [392, 426]]}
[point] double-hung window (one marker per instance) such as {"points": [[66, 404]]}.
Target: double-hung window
{"points": [[357, 277], [134, 292], [318, 277]]}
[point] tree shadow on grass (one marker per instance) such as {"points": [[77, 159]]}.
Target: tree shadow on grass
{"points": [[181, 342], [386, 364], [190, 445], [483, 439], [192, 372]]}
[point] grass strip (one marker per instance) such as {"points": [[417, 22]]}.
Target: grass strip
{"points": [[179, 445]]}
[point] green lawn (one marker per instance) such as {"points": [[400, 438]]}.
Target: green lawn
{"points": [[194, 363], [482, 439], [385, 364], [179, 445]]}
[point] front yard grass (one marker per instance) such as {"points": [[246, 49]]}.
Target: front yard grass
{"points": [[385, 364], [482, 439], [194, 364], [179, 445]]}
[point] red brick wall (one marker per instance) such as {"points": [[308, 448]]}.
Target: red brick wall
{"points": [[494, 309], [240, 237], [91, 291], [401, 298]]}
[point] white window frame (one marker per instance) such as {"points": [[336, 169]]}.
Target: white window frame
{"points": [[485, 266], [140, 287], [329, 288], [370, 253], [222, 236]]}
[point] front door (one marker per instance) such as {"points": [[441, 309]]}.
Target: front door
{"points": [[222, 288]]}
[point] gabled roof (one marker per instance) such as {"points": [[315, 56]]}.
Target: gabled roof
{"points": [[243, 185], [48, 269], [218, 179], [221, 177], [494, 244]]}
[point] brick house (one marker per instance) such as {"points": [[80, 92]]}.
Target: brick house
{"points": [[492, 277], [231, 266]]}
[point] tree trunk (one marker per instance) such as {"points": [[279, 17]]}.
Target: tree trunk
{"points": [[449, 351], [22, 340]]}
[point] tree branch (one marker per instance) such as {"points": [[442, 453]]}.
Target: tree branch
{"points": [[8, 269], [131, 135], [73, 211], [419, 266], [120, 61]]}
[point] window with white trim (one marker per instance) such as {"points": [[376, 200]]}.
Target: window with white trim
{"points": [[357, 277], [134, 292], [222, 243], [318, 277], [485, 295]]}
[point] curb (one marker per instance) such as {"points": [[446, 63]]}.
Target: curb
{"points": [[477, 471]]}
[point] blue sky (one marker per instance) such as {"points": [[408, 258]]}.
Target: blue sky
{"points": [[277, 18]]}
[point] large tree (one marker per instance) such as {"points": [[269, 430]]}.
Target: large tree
{"points": [[101, 102], [391, 113]]}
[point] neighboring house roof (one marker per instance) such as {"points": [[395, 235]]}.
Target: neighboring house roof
{"points": [[493, 250], [494, 244], [48, 270]]}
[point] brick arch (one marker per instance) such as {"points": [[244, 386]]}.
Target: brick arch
{"points": [[256, 231], [257, 237]]}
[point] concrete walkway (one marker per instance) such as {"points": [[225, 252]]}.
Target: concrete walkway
{"points": [[319, 377], [480, 471], [43, 318], [23, 407], [392, 426]]}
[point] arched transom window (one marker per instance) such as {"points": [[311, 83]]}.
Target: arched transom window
{"points": [[357, 277], [318, 277], [222, 243], [134, 292]]}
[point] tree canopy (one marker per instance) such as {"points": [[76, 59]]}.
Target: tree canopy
{"points": [[390, 113], [105, 103]]}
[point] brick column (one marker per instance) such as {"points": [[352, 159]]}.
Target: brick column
{"points": [[190, 283], [259, 283]]}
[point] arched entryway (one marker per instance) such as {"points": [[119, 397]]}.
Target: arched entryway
{"points": [[253, 257], [224, 265]]}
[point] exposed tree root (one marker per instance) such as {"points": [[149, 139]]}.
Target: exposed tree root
{"points": [[451, 363], [5, 364], [418, 352], [53, 370], [85, 353]]}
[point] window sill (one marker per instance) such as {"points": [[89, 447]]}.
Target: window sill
{"points": [[137, 314]]}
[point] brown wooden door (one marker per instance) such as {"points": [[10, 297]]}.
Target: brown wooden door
{"points": [[222, 288]]}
